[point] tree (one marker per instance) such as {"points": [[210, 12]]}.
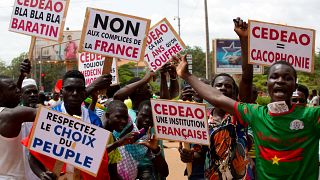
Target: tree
{"points": [[125, 73]]}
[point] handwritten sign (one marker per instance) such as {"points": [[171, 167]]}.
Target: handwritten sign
{"points": [[180, 121], [39, 18], [269, 43], [69, 140], [114, 34], [163, 42]]}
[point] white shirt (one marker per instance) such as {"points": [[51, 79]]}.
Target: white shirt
{"points": [[53, 103], [11, 158], [315, 101]]}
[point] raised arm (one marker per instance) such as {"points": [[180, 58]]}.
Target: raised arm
{"points": [[25, 68], [174, 84], [245, 86], [126, 91], [12, 118], [102, 82], [211, 94], [164, 91]]}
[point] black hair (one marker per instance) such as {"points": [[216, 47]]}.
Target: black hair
{"points": [[235, 86], [73, 74], [41, 97], [146, 102], [303, 89], [114, 105], [287, 64]]}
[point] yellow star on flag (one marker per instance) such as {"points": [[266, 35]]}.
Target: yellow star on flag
{"points": [[275, 160]]}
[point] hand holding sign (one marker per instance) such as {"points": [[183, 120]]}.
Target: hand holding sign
{"points": [[48, 175], [182, 68], [100, 83], [148, 76]]}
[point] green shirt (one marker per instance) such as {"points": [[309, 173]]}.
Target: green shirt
{"points": [[286, 144]]}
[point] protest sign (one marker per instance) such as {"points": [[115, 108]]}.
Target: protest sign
{"points": [[163, 42], [269, 43], [114, 72], [39, 18], [227, 57], [91, 66], [114, 34], [69, 140], [180, 121]]}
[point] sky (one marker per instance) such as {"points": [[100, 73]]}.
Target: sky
{"points": [[191, 12]]}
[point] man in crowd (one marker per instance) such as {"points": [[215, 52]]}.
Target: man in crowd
{"points": [[286, 136], [55, 99], [315, 99], [137, 90], [30, 93], [11, 118], [300, 96], [74, 92]]}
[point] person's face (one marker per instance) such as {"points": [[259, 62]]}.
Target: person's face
{"points": [[144, 118], [300, 99], [30, 96], [225, 85], [281, 83], [118, 119], [56, 96], [10, 95], [73, 92]]}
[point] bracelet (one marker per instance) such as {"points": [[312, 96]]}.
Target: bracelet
{"points": [[173, 79]]}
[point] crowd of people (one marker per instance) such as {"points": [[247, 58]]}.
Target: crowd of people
{"points": [[247, 140]]}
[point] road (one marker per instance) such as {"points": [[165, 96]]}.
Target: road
{"points": [[176, 167]]}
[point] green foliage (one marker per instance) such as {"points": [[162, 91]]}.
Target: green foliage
{"points": [[312, 81], [263, 100], [53, 72], [155, 86], [125, 73], [260, 81]]}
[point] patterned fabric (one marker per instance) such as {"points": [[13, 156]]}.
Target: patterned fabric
{"points": [[114, 156], [99, 112], [130, 153], [127, 167], [227, 149], [137, 151]]}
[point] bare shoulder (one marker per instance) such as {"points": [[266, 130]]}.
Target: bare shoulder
{"points": [[12, 118], [18, 114]]}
